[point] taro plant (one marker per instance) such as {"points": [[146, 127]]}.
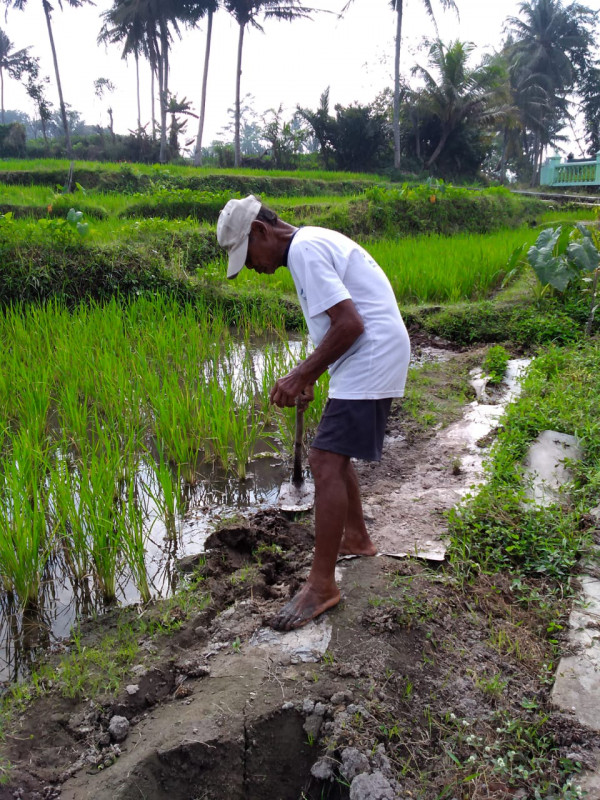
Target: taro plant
{"points": [[562, 259]]}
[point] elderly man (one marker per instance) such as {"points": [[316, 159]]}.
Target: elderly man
{"points": [[359, 335]]}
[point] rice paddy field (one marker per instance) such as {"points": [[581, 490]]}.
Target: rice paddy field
{"points": [[128, 426]]}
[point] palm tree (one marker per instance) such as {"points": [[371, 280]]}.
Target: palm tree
{"points": [[209, 7], [123, 24], [398, 7], [553, 48], [454, 93], [48, 9], [145, 27], [14, 63], [245, 13]]}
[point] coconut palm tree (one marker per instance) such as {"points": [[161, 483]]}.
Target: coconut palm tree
{"points": [[48, 9], [124, 24], [209, 7], [146, 27], [246, 12], [14, 63], [552, 47], [454, 93], [398, 7]]}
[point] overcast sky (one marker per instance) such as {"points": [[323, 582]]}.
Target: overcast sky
{"points": [[291, 63]]}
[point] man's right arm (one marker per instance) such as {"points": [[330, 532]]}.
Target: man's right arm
{"points": [[346, 326]]}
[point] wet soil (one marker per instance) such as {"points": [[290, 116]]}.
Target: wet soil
{"points": [[413, 674]]}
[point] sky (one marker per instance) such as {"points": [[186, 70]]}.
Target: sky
{"points": [[288, 64]]}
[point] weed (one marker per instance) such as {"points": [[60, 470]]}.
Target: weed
{"points": [[492, 685], [495, 363]]}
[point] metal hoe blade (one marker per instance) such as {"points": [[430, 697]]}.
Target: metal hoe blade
{"points": [[296, 496], [299, 493]]}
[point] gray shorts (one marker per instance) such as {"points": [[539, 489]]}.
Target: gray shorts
{"points": [[353, 428]]}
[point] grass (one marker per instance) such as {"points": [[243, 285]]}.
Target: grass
{"points": [[499, 528]]}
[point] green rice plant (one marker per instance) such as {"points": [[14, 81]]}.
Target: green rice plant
{"points": [[447, 268], [134, 535], [180, 423], [25, 537], [164, 491], [72, 532], [99, 497]]}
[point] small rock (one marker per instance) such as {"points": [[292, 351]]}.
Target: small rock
{"points": [[139, 670], [372, 787], [287, 706], [308, 706], [339, 698], [132, 689], [353, 763], [354, 708], [381, 762], [322, 770], [312, 725], [320, 709], [118, 728]]}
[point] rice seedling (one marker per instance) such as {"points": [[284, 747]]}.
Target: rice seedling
{"points": [[25, 538], [73, 534], [162, 486], [134, 533], [447, 269]]}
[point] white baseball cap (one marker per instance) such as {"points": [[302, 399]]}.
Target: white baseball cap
{"points": [[233, 229]]}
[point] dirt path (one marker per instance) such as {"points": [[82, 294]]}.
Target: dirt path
{"points": [[378, 693]]}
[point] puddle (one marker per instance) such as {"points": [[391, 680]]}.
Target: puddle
{"points": [[480, 419]]}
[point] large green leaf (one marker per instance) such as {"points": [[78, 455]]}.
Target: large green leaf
{"points": [[551, 269], [584, 255]]}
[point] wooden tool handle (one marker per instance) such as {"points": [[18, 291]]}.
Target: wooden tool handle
{"points": [[297, 471]]}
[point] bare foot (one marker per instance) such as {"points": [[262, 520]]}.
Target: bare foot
{"points": [[356, 545], [304, 606]]}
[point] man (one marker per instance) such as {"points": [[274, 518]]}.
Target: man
{"points": [[359, 335]]}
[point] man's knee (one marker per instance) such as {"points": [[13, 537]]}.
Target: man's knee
{"points": [[326, 465]]}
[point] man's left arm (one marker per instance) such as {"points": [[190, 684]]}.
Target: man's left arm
{"points": [[346, 326]]}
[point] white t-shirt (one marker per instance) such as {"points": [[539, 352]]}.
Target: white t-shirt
{"points": [[328, 267]]}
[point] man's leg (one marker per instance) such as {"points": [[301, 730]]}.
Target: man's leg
{"points": [[330, 473], [356, 540]]}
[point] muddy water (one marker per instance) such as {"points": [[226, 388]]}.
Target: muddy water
{"points": [[215, 496]]}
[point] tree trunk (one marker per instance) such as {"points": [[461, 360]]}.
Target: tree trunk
{"points": [[399, 9], [63, 110], [153, 110], [503, 156], [2, 93], [163, 90], [238, 81], [111, 125], [137, 88], [439, 148], [198, 153], [536, 140]]}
